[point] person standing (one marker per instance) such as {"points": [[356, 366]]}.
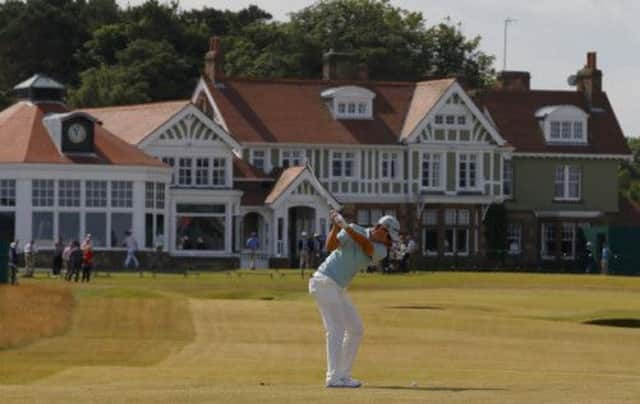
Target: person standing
{"points": [[75, 261], [29, 259], [351, 248], [588, 257], [13, 261], [253, 244], [409, 247], [132, 246], [158, 248], [58, 248], [87, 261], [303, 250], [604, 258], [66, 253]]}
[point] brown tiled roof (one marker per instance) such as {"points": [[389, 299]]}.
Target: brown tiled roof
{"points": [[254, 192], [292, 111], [244, 170], [286, 178], [514, 115], [133, 123], [425, 97], [25, 139]]}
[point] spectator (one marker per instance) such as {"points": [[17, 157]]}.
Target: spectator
{"points": [[588, 257], [200, 244], [13, 261], [253, 244], [58, 248], [75, 261], [186, 243], [605, 258], [409, 248], [30, 251], [158, 248], [132, 246], [317, 243], [87, 261], [65, 259], [303, 250]]}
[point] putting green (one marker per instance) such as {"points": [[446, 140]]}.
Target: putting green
{"points": [[461, 337]]}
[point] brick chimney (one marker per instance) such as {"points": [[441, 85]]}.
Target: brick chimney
{"points": [[513, 81], [589, 78], [214, 61], [339, 66]]}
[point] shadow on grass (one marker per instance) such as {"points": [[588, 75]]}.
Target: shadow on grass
{"points": [[616, 322], [415, 307], [449, 389]]}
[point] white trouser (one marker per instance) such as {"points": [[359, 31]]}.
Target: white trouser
{"points": [[131, 256], [341, 322]]}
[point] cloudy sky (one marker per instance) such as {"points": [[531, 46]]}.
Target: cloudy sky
{"points": [[550, 38]]}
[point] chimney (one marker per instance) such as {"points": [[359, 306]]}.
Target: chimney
{"points": [[513, 81], [589, 78], [214, 61], [339, 66]]}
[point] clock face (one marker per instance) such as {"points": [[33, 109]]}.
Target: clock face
{"points": [[77, 133]]}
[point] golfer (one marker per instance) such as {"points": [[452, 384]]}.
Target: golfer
{"points": [[351, 248]]}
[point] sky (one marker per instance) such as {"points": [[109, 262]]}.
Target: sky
{"points": [[549, 39]]}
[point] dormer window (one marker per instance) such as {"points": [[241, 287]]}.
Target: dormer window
{"points": [[564, 124], [350, 102]]}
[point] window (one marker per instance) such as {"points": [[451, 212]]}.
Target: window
{"points": [[342, 164], [7, 192], [567, 182], [431, 170], [96, 194], [555, 130], [342, 108], [456, 233], [431, 245], [184, 171], [362, 108], [202, 171], [467, 171], [291, 158], [514, 238], [507, 177], [42, 192], [42, 227], [578, 131], [353, 109], [462, 120], [258, 159], [160, 195], [121, 194], [200, 227], [69, 226], [69, 193], [566, 130], [568, 240], [96, 225], [439, 120], [121, 223], [149, 195], [450, 119], [430, 217], [369, 217], [219, 173], [389, 165], [548, 240]]}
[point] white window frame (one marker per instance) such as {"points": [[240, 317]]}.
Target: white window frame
{"points": [[564, 124], [543, 240], [352, 108], [7, 192], [428, 158], [568, 228], [255, 157], [477, 170], [341, 156], [392, 162], [564, 176], [507, 178], [293, 155], [514, 232]]}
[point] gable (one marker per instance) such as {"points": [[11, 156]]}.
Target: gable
{"points": [[190, 128], [296, 183], [455, 119]]}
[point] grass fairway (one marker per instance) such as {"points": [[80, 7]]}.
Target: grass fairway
{"points": [[462, 337]]}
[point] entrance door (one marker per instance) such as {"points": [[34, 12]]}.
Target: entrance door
{"points": [[301, 219]]}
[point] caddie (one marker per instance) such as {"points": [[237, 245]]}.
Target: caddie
{"points": [[351, 248]]}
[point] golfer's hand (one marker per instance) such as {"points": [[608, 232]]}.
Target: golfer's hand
{"points": [[337, 219]]}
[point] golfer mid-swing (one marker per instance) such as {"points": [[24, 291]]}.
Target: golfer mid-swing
{"points": [[351, 248]]}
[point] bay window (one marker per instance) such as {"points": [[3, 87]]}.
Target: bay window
{"points": [[467, 171]]}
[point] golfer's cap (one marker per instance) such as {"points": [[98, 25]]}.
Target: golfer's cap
{"points": [[391, 224]]}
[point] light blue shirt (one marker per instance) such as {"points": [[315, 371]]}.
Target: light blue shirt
{"points": [[345, 261]]}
